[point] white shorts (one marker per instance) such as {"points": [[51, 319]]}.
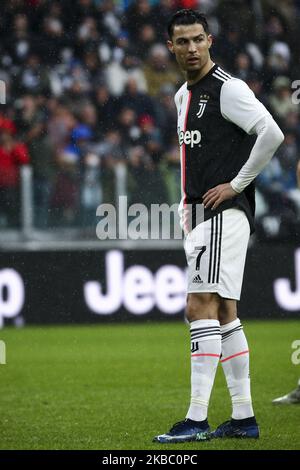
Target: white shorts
{"points": [[216, 252]]}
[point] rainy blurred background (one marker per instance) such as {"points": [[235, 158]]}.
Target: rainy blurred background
{"points": [[89, 116]]}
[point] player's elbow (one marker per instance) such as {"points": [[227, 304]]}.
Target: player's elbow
{"points": [[279, 136], [275, 134]]}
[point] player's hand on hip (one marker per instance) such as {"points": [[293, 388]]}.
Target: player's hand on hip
{"points": [[214, 196]]}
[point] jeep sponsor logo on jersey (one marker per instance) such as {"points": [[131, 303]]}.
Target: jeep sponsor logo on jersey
{"points": [[191, 138]]}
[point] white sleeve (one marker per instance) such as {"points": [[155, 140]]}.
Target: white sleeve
{"points": [[240, 106], [269, 137], [176, 97], [176, 101]]}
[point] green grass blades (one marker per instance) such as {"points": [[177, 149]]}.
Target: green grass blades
{"points": [[117, 386]]}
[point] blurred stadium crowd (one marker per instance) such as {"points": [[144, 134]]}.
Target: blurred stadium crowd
{"points": [[90, 86]]}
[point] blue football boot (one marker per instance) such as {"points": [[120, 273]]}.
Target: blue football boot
{"points": [[240, 428], [185, 431]]}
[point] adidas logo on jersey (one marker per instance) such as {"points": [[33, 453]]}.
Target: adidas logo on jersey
{"points": [[197, 279]]}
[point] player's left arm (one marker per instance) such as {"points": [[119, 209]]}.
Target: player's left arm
{"points": [[240, 106]]}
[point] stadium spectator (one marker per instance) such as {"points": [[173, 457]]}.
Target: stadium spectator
{"points": [[139, 101], [280, 100], [172, 172], [128, 126], [147, 37], [242, 66], [66, 197], [228, 45], [140, 168], [21, 40], [277, 63], [32, 78], [106, 108], [117, 75], [60, 123], [13, 154], [52, 38], [165, 113], [92, 66], [138, 14], [88, 115], [113, 151], [278, 186], [255, 83], [91, 187], [159, 70], [121, 47], [292, 122], [276, 182], [31, 121], [162, 11]]}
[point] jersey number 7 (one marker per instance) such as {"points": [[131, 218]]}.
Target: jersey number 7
{"points": [[199, 256]]}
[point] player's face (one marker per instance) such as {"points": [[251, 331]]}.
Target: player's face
{"points": [[190, 44]]}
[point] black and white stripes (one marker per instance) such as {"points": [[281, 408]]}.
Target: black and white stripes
{"points": [[215, 248], [226, 335], [220, 74], [198, 334]]}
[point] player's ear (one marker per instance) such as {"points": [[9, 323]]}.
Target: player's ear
{"points": [[170, 46], [210, 40]]}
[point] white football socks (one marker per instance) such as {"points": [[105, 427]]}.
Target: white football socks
{"points": [[235, 363], [205, 355]]}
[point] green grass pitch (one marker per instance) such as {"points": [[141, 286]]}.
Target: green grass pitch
{"points": [[116, 386]]}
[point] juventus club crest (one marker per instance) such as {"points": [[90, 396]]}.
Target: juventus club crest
{"points": [[202, 105]]}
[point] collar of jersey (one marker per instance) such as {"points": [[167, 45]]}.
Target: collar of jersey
{"points": [[190, 87]]}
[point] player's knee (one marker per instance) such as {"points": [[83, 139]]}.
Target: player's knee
{"points": [[202, 306]]}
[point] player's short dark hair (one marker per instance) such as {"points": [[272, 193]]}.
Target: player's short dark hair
{"points": [[185, 17]]}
